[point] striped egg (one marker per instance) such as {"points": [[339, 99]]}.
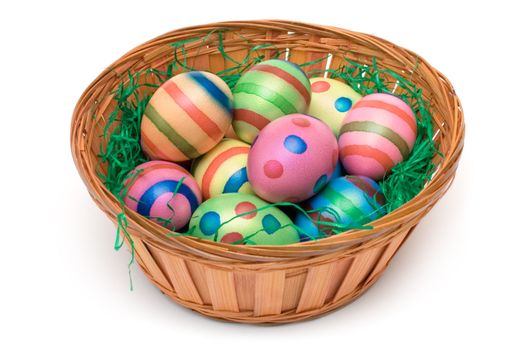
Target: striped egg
{"points": [[164, 192], [331, 100], [223, 169], [377, 133], [186, 117], [292, 159], [269, 90], [357, 200], [239, 218]]}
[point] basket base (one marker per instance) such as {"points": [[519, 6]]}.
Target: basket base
{"points": [[283, 318], [254, 297]]}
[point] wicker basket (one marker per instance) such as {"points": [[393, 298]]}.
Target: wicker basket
{"points": [[269, 284]]}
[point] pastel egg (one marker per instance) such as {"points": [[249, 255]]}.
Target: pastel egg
{"points": [[377, 133], [357, 200], [223, 169], [186, 117], [331, 100], [269, 90], [238, 218], [163, 192], [292, 159]]}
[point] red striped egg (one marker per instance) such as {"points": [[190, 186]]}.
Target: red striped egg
{"points": [[163, 192], [377, 133], [186, 117]]}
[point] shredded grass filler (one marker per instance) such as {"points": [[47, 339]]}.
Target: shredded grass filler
{"points": [[122, 131]]}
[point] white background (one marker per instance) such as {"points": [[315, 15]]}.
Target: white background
{"points": [[458, 281]]}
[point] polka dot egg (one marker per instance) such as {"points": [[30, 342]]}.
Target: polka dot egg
{"points": [[164, 192], [238, 218], [378, 133], [292, 159], [331, 100], [186, 117], [357, 200], [269, 90], [223, 169]]}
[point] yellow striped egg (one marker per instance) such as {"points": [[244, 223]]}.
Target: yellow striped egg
{"points": [[331, 100], [223, 169], [186, 117]]}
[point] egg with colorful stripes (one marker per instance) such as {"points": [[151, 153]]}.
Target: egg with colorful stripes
{"points": [[223, 169], [331, 100], [163, 192], [292, 159], [377, 133], [186, 116], [348, 200], [269, 90], [238, 218]]}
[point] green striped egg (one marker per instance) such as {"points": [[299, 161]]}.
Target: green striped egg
{"points": [[269, 90]]}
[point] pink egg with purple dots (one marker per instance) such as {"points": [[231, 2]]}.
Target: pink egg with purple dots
{"points": [[163, 192], [292, 159]]}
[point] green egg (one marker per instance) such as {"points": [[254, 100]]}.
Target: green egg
{"points": [[219, 218]]}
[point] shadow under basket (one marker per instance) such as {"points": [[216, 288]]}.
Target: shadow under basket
{"points": [[268, 284]]}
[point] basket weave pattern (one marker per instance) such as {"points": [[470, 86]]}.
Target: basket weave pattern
{"points": [[269, 284]]}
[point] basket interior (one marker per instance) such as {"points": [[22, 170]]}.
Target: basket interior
{"points": [[201, 50]]}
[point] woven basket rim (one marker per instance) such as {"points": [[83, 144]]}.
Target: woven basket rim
{"points": [[441, 179]]}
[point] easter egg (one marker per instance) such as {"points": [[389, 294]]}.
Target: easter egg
{"points": [[269, 90], [331, 100], [186, 116], [164, 192], [223, 169], [292, 158], [239, 218], [377, 133], [356, 200]]}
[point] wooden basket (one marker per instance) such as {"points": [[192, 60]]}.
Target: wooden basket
{"points": [[269, 284]]}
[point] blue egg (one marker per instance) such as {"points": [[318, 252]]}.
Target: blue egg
{"points": [[352, 201]]}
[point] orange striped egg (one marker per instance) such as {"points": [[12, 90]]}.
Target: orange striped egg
{"points": [[186, 117], [269, 90], [377, 133], [223, 169]]}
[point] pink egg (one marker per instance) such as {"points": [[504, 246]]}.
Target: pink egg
{"points": [[292, 158], [377, 133], [163, 192]]}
